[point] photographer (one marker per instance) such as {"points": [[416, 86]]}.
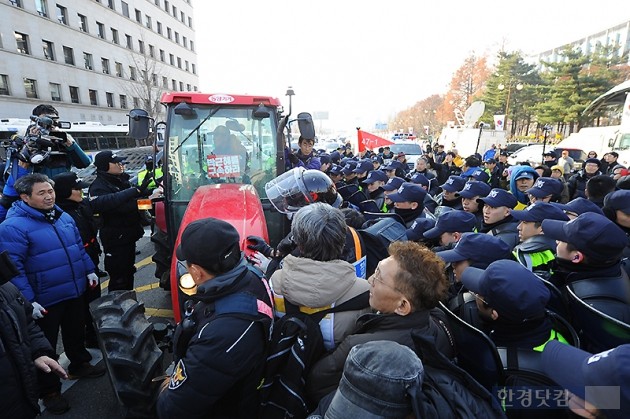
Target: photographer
{"points": [[21, 168], [64, 151]]}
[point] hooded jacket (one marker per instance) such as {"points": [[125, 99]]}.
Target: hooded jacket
{"points": [[49, 255], [318, 285], [521, 197]]}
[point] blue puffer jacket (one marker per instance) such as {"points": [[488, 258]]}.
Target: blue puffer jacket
{"points": [[50, 258]]}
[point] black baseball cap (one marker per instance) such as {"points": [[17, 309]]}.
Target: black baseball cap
{"points": [[210, 243]]}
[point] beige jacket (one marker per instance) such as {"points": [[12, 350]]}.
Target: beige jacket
{"points": [[316, 285]]}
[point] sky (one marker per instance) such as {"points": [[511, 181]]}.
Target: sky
{"points": [[362, 61]]}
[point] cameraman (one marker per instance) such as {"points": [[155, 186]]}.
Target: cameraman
{"points": [[71, 153]]}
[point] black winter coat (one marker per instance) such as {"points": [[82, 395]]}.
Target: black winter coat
{"points": [[121, 218], [326, 373], [21, 342]]}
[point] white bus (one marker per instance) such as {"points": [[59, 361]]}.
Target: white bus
{"points": [[609, 125]]}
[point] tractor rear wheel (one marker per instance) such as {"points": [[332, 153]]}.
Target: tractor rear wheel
{"points": [[131, 354]]}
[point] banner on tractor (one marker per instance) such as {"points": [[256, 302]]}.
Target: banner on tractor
{"points": [[223, 166]]}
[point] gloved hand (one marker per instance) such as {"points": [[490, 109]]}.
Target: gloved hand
{"points": [[259, 244], [92, 280], [286, 246], [145, 182], [293, 158], [260, 261], [38, 311]]}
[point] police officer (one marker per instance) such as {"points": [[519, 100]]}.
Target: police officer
{"points": [[496, 216], [149, 168], [219, 347], [121, 224]]}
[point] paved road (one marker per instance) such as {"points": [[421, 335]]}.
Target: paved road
{"points": [[94, 398]]}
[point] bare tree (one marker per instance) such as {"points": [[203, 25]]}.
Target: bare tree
{"points": [[147, 83]]}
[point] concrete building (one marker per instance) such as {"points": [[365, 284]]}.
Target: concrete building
{"points": [[617, 35], [94, 59]]}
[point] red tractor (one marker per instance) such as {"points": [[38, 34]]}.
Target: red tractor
{"points": [[217, 153]]}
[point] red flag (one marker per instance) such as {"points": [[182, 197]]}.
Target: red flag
{"points": [[371, 141]]}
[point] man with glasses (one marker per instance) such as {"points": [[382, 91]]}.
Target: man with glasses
{"points": [[121, 226], [404, 291]]}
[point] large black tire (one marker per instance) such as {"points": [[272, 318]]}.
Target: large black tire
{"points": [[162, 258], [131, 355]]}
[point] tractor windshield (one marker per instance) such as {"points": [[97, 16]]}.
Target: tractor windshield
{"points": [[219, 144]]}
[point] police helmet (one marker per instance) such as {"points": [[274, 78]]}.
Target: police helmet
{"points": [[298, 188]]}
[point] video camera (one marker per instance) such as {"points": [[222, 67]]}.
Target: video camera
{"points": [[45, 125]]}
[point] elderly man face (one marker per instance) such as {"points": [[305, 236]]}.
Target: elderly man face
{"points": [[421, 165], [42, 197]]}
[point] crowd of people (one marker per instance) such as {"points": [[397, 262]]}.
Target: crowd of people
{"points": [[50, 233], [503, 249], [499, 247]]}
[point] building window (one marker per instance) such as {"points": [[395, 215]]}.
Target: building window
{"points": [[119, 69], [129, 42], [105, 65], [55, 92], [49, 50], [114, 36], [132, 73], [100, 30], [74, 94], [123, 101], [171, 58], [42, 9], [138, 16], [154, 79], [110, 99], [165, 82], [22, 43], [189, 22], [17, 3], [87, 59], [173, 84], [176, 37], [169, 33], [4, 85], [192, 45], [185, 41], [166, 6], [187, 67], [162, 55], [175, 12], [68, 55], [83, 23], [111, 5], [157, 3], [62, 15], [159, 27], [194, 68], [30, 86], [181, 86], [179, 62], [93, 97], [141, 46], [125, 8], [182, 17], [136, 102], [151, 51], [148, 22]]}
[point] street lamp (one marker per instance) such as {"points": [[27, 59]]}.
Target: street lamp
{"points": [[501, 87]]}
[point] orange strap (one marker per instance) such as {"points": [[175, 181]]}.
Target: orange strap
{"points": [[358, 254]]}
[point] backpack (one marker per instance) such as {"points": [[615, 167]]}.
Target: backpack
{"points": [[447, 390], [296, 345]]}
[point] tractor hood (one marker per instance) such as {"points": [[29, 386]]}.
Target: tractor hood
{"points": [[237, 204]]}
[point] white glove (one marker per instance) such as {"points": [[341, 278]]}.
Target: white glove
{"points": [[260, 261], [38, 311], [93, 280]]}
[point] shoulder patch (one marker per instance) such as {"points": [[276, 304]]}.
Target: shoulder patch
{"points": [[179, 376]]}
